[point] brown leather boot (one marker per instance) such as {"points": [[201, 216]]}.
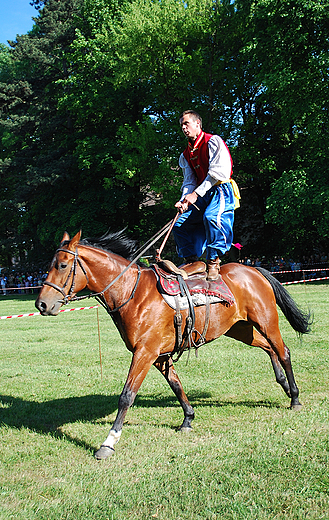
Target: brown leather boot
{"points": [[213, 269]]}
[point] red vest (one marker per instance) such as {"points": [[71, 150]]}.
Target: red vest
{"points": [[197, 155]]}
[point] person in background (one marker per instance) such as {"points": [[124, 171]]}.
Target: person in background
{"points": [[3, 282]]}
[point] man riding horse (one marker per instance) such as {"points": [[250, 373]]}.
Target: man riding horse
{"points": [[209, 196]]}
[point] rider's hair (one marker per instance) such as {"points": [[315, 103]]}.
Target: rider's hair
{"points": [[195, 116]]}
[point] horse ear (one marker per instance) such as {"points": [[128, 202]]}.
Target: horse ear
{"points": [[66, 237], [75, 240]]}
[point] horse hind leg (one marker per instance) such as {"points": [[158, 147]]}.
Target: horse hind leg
{"points": [[245, 332], [166, 367], [273, 336], [279, 374], [284, 358]]}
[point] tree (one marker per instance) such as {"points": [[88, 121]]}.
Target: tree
{"points": [[293, 46], [90, 101]]}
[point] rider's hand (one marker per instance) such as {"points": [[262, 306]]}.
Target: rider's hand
{"points": [[181, 206]]}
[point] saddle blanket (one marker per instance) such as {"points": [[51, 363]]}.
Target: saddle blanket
{"points": [[198, 299], [199, 288]]}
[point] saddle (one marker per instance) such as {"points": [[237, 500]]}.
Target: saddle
{"points": [[196, 282], [183, 290]]}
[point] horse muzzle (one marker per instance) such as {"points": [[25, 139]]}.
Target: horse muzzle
{"points": [[48, 307]]}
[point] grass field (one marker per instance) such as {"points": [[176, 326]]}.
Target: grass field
{"points": [[248, 458]]}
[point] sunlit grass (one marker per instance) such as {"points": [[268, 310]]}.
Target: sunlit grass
{"points": [[248, 457]]}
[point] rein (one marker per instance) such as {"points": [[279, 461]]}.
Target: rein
{"points": [[100, 295]]}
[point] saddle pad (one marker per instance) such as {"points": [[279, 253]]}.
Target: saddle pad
{"points": [[196, 284], [198, 300]]}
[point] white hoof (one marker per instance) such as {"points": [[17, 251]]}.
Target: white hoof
{"points": [[104, 452]]}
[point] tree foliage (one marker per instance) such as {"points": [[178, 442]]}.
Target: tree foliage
{"points": [[89, 107]]}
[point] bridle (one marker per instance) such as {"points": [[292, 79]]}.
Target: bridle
{"points": [[100, 295], [73, 272]]}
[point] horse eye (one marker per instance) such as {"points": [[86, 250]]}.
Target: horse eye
{"points": [[62, 265]]}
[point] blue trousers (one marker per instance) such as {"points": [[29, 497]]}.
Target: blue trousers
{"points": [[210, 228]]}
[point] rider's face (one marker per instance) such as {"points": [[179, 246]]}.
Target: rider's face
{"points": [[191, 127]]}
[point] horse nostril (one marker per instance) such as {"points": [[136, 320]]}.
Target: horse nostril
{"points": [[42, 306]]}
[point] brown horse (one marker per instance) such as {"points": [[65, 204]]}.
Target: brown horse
{"points": [[146, 322]]}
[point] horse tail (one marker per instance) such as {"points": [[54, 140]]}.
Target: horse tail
{"points": [[299, 320]]}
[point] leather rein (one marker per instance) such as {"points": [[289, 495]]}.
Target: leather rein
{"points": [[100, 295]]}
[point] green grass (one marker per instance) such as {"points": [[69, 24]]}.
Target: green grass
{"points": [[249, 457]]}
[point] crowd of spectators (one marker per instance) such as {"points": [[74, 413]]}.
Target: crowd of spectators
{"points": [[305, 268], [279, 263], [12, 282]]}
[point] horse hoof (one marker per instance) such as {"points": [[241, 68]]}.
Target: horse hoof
{"points": [[296, 407], [185, 429], [104, 452]]}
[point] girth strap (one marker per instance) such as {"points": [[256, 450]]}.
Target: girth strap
{"points": [[178, 326], [185, 292], [185, 341], [202, 338]]}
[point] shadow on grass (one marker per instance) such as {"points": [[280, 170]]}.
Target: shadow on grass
{"points": [[200, 400], [49, 416]]}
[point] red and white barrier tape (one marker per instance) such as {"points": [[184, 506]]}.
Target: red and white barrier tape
{"points": [[306, 280], [300, 271], [38, 313]]}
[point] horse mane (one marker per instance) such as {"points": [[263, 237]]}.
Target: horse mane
{"points": [[114, 242]]}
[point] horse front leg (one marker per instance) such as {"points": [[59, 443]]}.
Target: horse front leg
{"points": [[166, 367], [140, 365]]}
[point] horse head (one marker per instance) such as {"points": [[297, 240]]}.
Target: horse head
{"points": [[66, 277]]}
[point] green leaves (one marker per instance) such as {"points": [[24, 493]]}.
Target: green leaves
{"points": [[298, 205], [89, 107]]}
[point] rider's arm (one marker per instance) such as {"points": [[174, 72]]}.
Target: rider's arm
{"points": [[220, 165], [189, 179]]}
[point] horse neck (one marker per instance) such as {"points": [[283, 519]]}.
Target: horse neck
{"points": [[102, 267]]}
